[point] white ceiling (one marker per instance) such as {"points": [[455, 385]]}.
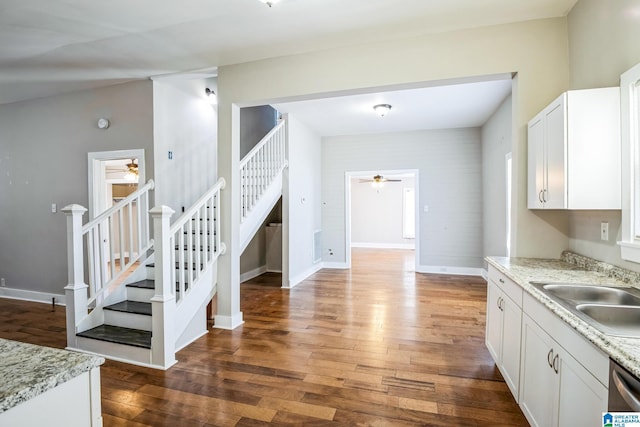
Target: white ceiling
{"points": [[54, 46], [440, 107]]}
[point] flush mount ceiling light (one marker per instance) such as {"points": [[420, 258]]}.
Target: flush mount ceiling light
{"points": [[212, 98], [269, 2], [382, 109]]}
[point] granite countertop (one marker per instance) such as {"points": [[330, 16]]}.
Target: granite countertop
{"points": [[573, 268], [27, 370]]}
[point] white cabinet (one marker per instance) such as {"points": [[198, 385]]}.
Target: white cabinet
{"points": [[504, 314], [556, 389], [574, 152]]}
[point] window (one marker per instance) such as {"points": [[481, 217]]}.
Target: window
{"points": [[630, 121], [409, 213], [508, 199]]}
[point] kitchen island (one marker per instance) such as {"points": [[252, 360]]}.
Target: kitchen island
{"points": [[46, 386]]}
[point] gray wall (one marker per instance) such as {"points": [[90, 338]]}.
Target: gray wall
{"points": [[43, 160], [255, 123], [603, 43], [377, 213], [450, 184], [496, 143]]}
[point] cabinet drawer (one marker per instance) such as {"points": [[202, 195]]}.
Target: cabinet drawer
{"points": [[508, 286], [587, 354]]}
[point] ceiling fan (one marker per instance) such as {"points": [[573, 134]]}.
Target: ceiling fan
{"points": [[379, 180]]}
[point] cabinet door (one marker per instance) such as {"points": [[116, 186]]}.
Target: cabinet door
{"points": [[582, 398], [511, 333], [535, 163], [555, 134], [493, 338], [538, 381]]}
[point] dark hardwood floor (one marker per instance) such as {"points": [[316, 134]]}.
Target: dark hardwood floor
{"points": [[375, 345]]}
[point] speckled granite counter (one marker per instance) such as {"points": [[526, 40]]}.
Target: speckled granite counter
{"points": [[574, 268], [27, 370]]}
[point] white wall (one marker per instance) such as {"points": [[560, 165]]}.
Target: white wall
{"points": [[496, 143], [603, 43], [450, 184], [377, 213], [186, 124], [301, 207], [43, 160]]}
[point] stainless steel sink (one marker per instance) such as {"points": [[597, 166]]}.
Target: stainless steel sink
{"points": [[612, 310], [593, 294], [614, 319]]}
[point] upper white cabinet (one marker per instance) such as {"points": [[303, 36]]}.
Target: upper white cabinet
{"points": [[574, 152]]}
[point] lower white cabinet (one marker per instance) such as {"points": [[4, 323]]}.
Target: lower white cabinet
{"points": [[503, 333], [555, 389]]}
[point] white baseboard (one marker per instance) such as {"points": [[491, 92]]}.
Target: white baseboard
{"points": [[384, 245], [300, 277], [485, 274], [228, 322], [461, 271], [335, 265], [253, 273], [21, 294]]}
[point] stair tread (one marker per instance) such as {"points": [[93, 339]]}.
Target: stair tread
{"points": [[148, 283], [144, 284], [134, 307], [119, 335]]}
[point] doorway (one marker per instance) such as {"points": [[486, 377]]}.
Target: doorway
{"points": [[382, 212]]}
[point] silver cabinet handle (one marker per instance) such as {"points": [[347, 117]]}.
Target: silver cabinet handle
{"points": [[498, 303], [625, 392], [540, 196], [501, 281], [555, 363], [549, 356]]}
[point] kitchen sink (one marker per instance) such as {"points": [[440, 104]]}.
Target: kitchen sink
{"points": [[612, 310], [614, 319], [593, 294]]}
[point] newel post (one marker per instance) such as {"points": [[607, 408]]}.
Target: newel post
{"points": [[76, 290], [163, 303]]}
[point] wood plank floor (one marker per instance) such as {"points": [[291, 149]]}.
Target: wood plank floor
{"points": [[375, 345]]}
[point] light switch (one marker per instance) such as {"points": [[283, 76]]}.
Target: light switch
{"points": [[426, 208], [604, 231], [54, 208]]}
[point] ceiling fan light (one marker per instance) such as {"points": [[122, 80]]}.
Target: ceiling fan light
{"points": [[382, 109]]}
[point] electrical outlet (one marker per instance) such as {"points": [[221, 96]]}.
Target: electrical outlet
{"points": [[2, 282], [604, 231]]}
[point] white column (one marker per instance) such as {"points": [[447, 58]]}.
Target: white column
{"points": [[163, 303], [76, 289], [229, 315]]}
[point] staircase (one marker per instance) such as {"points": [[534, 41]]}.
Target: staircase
{"points": [[261, 181], [144, 295], [144, 307]]}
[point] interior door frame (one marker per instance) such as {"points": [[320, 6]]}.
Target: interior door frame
{"points": [[97, 174], [347, 204]]}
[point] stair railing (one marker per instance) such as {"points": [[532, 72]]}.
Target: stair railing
{"points": [[184, 251], [113, 241], [261, 166]]}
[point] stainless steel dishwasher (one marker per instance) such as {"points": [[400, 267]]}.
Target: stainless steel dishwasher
{"points": [[624, 389]]}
